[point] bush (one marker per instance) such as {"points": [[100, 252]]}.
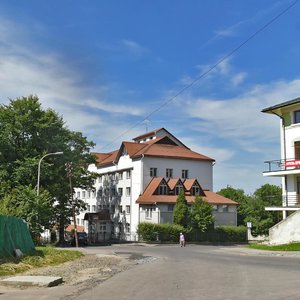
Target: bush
{"points": [[231, 233], [161, 232]]}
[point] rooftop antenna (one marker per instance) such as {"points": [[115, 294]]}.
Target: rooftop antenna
{"points": [[146, 122]]}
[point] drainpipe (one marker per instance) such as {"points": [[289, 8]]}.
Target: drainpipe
{"points": [[284, 157]]}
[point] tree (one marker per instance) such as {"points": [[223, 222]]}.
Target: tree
{"points": [[27, 132], [181, 210], [252, 208], [237, 195], [201, 214]]}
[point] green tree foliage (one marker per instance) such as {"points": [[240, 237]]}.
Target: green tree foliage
{"points": [[201, 215], [181, 210], [237, 195], [252, 207], [27, 132]]}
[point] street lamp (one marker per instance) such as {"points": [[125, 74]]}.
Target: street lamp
{"points": [[39, 170]]}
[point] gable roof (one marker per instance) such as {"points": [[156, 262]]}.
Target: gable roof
{"points": [[148, 197], [156, 134], [172, 182], [281, 105], [160, 147]]}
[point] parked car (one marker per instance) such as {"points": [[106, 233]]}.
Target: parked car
{"points": [[82, 239]]}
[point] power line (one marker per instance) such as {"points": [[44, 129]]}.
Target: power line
{"points": [[204, 74]]}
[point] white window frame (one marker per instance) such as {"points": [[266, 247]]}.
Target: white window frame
{"points": [[153, 172], [169, 173]]}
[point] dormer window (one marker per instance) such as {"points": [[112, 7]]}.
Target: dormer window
{"points": [[178, 188], [163, 189], [124, 152], [195, 190]]}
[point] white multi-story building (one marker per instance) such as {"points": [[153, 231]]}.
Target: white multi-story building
{"points": [[288, 168], [140, 182]]}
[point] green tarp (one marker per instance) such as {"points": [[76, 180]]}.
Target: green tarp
{"points": [[14, 234]]}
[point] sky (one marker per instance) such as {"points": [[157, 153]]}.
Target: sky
{"points": [[203, 70]]}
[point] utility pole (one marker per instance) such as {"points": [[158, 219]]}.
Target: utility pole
{"points": [[69, 169]]}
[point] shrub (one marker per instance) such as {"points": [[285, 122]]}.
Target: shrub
{"points": [[231, 233], [161, 232]]}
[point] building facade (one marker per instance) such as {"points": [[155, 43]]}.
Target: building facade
{"points": [[140, 181], [288, 165]]}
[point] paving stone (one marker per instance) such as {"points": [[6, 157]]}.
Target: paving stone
{"points": [[46, 281]]}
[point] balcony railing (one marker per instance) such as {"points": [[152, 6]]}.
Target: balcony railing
{"points": [[283, 164]]}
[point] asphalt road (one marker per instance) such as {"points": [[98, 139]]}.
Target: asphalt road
{"points": [[192, 272], [202, 272]]}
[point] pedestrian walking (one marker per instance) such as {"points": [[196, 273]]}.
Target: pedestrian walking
{"points": [[181, 240]]}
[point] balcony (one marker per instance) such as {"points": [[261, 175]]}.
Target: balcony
{"points": [[291, 201], [282, 167]]}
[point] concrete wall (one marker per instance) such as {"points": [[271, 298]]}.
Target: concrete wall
{"points": [[286, 231]]}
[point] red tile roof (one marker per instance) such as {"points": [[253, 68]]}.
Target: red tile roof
{"points": [[161, 147], [148, 197]]}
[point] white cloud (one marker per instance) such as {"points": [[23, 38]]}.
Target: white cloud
{"points": [[238, 78], [134, 48], [240, 118], [25, 70]]}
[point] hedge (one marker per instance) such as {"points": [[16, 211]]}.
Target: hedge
{"points": [[170, 233], [161, 232]]}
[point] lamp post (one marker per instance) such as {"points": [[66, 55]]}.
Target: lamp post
{"points": [[39, 170]]}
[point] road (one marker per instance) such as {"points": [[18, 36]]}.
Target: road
{"points": [[192, 272]]}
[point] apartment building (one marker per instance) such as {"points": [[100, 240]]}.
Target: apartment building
{"points": [[140, 181]]}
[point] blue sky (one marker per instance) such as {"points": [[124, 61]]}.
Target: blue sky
{"points": [[106, 65]]}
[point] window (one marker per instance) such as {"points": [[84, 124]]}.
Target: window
{"points": [[120, 191], [148, 213], [127, 174], [185, 174], [162, 189], [153, 172], [297, 150], [83, 194], [112, 209], [225, 208], [120, 208], [113, 192], [169, 173], [120, 175], [128, 190], [178, 188], [100, 192], [78, 195], [195, 190], [93, 194], [170, 207], [82, 221], [77, 221], [102, 226], [88, 208], [100, 179], [89, 194], [93, 208], [127, 227], [215, 207], [297, 116], [127, 209]]}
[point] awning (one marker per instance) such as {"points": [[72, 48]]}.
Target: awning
{"points": [[102, 215]]}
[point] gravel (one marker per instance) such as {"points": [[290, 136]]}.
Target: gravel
{"points": [[83, 273]]}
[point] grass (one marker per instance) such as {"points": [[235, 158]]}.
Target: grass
{"points": [[285, 247], [41, 257]]}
